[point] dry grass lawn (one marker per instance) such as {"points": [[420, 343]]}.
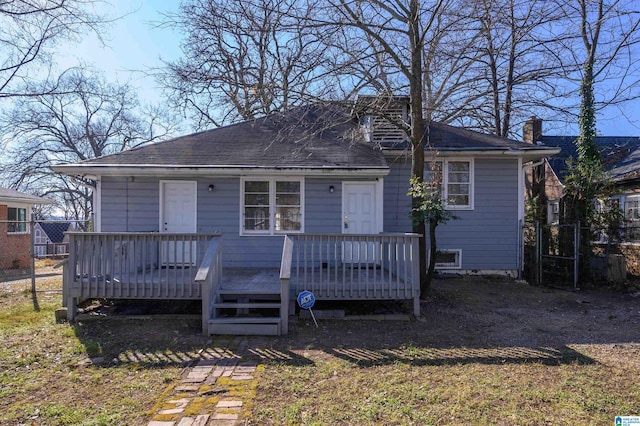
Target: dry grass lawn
{"points": [[490, 352]]}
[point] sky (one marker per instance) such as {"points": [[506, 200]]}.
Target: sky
{"points": [[134, 44], [131, 45]]}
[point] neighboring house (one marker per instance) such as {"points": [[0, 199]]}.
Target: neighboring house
{"points": [[49, 238], [620, 159], [15, 240], [316, 170]]}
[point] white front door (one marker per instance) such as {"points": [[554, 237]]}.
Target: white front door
{"points": [[360, 216], [178, 214]]}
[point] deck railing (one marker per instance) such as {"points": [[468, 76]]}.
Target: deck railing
{"points": [[209, 276], [356, 267], [134, 265]]}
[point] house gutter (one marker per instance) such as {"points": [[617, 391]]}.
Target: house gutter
{"points": [[91, 171], [531, 154]]}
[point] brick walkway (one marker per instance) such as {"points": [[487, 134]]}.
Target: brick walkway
{"points": [[214, 391]]}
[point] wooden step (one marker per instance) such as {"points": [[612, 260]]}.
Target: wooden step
{"points": [[250, 291], [226, 305], [246, 326]]}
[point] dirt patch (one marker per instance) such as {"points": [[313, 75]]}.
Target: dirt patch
{"points": [[492, 312]]}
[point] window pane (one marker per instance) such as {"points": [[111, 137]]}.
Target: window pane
{"points": [[458, 200], [256, 199], [459, 166], [285, 186], [256, 186], [458, 189], [288, 219], [256, 218], [288, 199], [459, 177]]}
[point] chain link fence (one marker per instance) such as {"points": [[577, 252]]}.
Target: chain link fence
{"points": [[31, 249]]}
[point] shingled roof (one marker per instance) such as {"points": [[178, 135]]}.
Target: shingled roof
{"points": [[620, 155], [55, 230], [443, 137], [314, 137], [11, 195], [306, 137]]}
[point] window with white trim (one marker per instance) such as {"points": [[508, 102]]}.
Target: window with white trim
{"points": [[454, 180], [17, 219], [632, 209], [272, 206], [449, 259]]}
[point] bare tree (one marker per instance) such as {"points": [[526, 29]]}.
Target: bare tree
{"points": [[383, 51], [28, 32], [88, 119], [244, 59], [516, 61]]}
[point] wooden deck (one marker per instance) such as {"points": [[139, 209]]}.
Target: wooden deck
{"points": [[160, 266]]}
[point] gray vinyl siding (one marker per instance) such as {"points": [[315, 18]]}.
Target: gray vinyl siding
{"points": [[129, 206], [488, 234]]}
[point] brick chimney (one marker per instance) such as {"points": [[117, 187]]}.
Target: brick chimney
{"points": [[532, 130]]}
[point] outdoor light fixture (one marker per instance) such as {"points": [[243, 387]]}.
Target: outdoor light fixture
{"points": [[332, 188], [211, 187]]}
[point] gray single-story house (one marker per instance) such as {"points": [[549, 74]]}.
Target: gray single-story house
{"points": [[318, 192]]}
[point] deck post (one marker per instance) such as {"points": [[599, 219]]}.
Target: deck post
{"points": [[285, 284], [415, 281], [205, 292], [284, 305]]}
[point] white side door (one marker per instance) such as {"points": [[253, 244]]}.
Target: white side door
{"points": [[360, 216], [178, 214]]}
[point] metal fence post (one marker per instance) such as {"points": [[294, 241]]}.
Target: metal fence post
{"points": [[538, 252], [576, 254], [32, 255]]}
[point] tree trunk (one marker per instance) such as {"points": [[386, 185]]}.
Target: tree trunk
{"points": [[433, 251], [417, 129]]}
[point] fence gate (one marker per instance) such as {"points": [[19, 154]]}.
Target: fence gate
{"points": [[552, 253]]}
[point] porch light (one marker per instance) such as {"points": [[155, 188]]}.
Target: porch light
{"points": [[332, 188], [211, 188]]}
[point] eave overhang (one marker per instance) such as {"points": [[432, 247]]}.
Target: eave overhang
{"points": [[95, 170], [30, 201], [489, 153]]}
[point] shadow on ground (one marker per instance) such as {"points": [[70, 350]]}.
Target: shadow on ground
{"points": [[466, 321]]}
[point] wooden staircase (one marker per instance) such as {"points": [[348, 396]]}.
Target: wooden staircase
{"points": [[248, 311]]}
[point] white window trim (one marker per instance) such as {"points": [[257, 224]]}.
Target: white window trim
{"points": [[272, 204], [27, 215], [458, 253], [628, 198], [445, 181]]}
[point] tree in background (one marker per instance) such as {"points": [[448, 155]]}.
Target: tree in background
{"points": [[244, 59], [29, 30], [607, 31], [88, 118]]}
